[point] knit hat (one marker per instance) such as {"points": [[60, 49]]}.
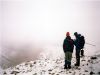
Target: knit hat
{"points": [[67, 34]]}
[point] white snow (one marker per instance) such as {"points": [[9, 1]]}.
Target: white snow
{"points": [[51, 62]]}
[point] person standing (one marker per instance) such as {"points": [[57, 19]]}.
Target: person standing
{"points": [[78, 48], [68, 46]]}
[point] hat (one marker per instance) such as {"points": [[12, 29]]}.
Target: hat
{"points": [[67, 34], [75, 33]]}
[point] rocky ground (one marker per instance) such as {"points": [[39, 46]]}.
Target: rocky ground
{"points": [[51, 63]]}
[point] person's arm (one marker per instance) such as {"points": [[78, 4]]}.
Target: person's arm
{"points": [[64, 46]]}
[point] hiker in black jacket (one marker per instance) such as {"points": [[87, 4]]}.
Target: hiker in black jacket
{"points": [[79, 43], [68, 46], [78, 48]]}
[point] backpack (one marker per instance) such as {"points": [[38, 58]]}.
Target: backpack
{"points": [[81, 41]]}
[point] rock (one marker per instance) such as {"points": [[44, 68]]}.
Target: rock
{"points": [[79, 68], [49, 73], [79, 73], [43, 71], [35, 74], [17, 68], [87, 64], [99, 73], [91, 73], [60, 71], [31, 65], [89, 61], [50, 70], [83, 65], [26, 63], [70, 72], [83, 60], [86, 70], [4, 73], [53, 74], [34, 62], [14, 72], [93, 58]]}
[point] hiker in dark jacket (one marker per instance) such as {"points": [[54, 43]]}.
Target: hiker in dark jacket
{"points": [[79, 43], [68, 46], [78, 48]]}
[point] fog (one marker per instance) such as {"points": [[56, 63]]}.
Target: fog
{"points": [[28, 26]]}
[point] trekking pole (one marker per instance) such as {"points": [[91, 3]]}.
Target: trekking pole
{"points": [[90, 44]]}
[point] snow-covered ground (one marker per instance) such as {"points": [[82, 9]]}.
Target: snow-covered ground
{"points": [[51, 62]]}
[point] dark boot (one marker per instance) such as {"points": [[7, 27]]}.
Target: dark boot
{"points": [[77, 64], [66, 64], [65, 67], [69, 66]]}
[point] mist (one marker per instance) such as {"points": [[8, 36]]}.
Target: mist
{"points": [[28, 26]]}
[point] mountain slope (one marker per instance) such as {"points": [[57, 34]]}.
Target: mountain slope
{"points": [[51, 62]]}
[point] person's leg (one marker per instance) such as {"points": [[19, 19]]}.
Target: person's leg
{"points": [[77, 57], [66, 60], [82, 52], [69, 59], [66, 64]]}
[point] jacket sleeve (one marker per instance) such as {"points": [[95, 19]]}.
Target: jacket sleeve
{"points": [[64, 46]]}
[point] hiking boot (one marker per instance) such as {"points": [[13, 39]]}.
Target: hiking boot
{"points": [[65, 67], [77, 64], [69, 66], [82, 56]]}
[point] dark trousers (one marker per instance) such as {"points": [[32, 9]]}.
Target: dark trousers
{"points": [[78, 57], [82, 52]]}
